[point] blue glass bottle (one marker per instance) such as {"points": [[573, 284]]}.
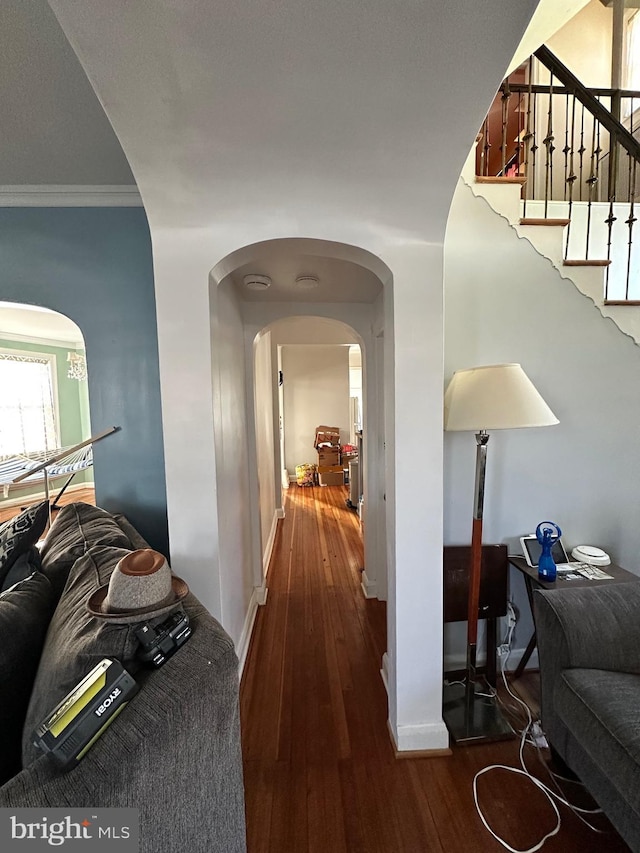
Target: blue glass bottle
{"points": [[547, 534]]}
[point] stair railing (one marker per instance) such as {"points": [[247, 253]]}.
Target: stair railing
{"points": [[591, 180]]}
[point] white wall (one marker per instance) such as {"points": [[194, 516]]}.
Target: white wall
{"points": [[504, 302], [264, 379], [584, 44], [237, 558], [316, 391]]}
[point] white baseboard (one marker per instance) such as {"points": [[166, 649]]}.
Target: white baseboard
{"points": [[268, 550], [370, 588], [245, 637], [425, 737], [384, 671]]}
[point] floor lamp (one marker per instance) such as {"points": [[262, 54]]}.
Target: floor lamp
{"points": [[498, 396]]}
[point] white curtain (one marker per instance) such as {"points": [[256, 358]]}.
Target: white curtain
{"points": [[27, 410]]}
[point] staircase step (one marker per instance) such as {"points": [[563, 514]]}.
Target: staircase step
{"points": [[622, 301], [487, 179], [552, 222], [591, 262]]}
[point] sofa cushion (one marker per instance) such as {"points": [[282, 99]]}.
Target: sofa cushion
{"points": [[25, 611], [76, 641], [18, 534], [24, 566], [77, 527], [602, 711]]}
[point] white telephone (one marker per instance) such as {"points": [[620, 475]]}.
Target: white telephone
{"points": [[591, 555]]}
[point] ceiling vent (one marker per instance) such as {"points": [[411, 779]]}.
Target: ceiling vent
{"points": [[307, 282], [257, 282]]}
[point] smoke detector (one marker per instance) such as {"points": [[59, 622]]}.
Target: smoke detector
{"points": [[257, 282], [307, 282]]}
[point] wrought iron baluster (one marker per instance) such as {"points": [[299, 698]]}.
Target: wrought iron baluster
{"points": [[571, 179], [534, 148], [518, 150], [611, 218], [506, 97], [597, 153], [630, 222], [548, 143], [592, 182], [566, 148], [581, 151]]}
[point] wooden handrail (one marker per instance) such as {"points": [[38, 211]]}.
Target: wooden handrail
{"points": [[571, 83]]}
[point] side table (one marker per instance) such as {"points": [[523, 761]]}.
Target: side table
{"points": [[531, 580], [493, 592]]}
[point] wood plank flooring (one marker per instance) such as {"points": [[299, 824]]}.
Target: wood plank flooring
{"points": [[320, 771]]}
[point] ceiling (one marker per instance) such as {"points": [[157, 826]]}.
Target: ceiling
{"points": [[32, 322], [54, 130], [338, 280]]}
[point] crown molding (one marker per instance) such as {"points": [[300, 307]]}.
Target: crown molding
{"points": [[69, 195]]}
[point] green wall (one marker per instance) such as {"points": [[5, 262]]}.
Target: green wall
{"points": [[73, 408]]}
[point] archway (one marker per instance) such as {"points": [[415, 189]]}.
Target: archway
{"points": [[346, 295], [44, 407]]}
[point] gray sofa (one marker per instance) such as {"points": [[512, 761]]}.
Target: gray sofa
{"points": [[174, 752], [589, 648]]}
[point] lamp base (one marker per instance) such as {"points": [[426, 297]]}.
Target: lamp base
{"points": [[475, 718]]}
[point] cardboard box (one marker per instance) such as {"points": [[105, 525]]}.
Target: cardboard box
{"points": [[329, 456], [331, 478], [327, 435]]}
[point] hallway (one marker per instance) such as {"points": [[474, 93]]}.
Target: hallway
{"points": [[320, 770]]}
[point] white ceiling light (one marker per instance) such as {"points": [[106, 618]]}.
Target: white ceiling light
{"points": [[307, 282], [257, 282]]}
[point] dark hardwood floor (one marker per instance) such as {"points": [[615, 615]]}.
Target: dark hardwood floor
{"points": [[320, 769]]}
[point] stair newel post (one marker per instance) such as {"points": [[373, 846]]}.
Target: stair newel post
{"points": [[527, 140], [581, 151]]}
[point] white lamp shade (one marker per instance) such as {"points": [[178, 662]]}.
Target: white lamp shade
{"points": [[497, 396]]}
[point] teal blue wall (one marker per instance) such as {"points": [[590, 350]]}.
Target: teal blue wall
{"points": [[95, 266]]}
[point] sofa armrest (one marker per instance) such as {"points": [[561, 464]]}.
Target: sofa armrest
{"points": [[174, 753], [590, 627]]}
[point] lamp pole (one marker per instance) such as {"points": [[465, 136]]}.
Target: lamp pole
{"points": [[475, 567]]}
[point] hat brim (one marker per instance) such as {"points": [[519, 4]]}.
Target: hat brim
{"points": [[96, 600]]}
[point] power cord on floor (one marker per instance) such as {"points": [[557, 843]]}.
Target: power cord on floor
{"points": [[533, 734]]}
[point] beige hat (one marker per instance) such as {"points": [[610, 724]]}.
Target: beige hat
{"points": [[141, 587]]}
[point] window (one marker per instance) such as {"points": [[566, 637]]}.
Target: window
{"points": [[28, 420]]}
